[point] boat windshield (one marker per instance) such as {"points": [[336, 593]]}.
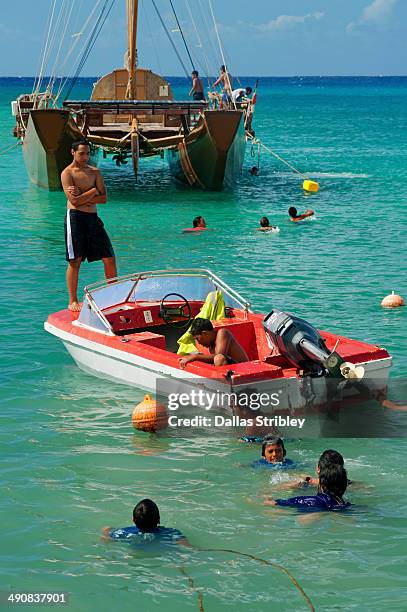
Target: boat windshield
{"points": [[152, 287]]}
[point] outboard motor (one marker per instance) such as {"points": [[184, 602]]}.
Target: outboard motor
{"points": [[301, 344]]}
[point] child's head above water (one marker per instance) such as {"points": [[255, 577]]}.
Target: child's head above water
{"points": [[273, 449], [333, 479], [330, 456], [146, 515], [264, 222], [292, 211]]}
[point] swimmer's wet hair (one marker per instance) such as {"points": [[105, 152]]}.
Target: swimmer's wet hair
{"points": [[331, 456], [270, 439], [77, 143], [196, 221], [292, 211], [264, 222], [200, 325], [146, 515], [333, 479]]}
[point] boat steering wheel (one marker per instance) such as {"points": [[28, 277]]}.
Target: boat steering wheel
{"points": [[175, 315]]}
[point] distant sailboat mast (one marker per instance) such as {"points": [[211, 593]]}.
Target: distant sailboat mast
{"points": [[132, 12]]}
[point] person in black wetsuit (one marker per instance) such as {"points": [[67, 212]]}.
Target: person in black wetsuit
{"points": [[332, 483], [146, 519]]}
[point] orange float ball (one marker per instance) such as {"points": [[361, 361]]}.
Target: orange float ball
{"points": [[149, 415], [392, 301]]}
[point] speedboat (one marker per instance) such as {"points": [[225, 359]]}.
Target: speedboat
{"points": [[128, 331]]}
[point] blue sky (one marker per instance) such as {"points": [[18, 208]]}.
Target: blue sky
{"points": [[261, 37]]}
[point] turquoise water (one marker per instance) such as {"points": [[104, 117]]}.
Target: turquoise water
{"points": [[71, 463]]}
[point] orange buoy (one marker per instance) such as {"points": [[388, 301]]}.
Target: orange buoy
{"points": [[149, 415], [392, 301]]}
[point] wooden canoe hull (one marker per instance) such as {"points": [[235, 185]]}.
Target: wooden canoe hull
{"points": [[211, 156], [47, 146]]}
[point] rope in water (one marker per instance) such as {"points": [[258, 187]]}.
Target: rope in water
{"points": [[257, 141], [192, 585], [11, 147], [277, 566]]}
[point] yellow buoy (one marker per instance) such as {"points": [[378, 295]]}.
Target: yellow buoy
{"points": [[149, 415], [311, 186], [392, 301]]}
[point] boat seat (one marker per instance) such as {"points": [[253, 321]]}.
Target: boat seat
{"points": [[244, 334], [145, 337]]}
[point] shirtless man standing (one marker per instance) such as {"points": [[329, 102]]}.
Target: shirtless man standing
{"points": [[197, 89], [226, 79], [224, 348], [85, 236]]}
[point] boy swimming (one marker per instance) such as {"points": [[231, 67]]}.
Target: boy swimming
{"points": [[273, 454], [146, 519], [266, 227], [294, 216]]}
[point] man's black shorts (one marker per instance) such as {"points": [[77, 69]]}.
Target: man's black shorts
{"points": [[86, 237]]}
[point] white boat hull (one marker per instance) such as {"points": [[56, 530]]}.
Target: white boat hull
{"points": [[290, 394]]}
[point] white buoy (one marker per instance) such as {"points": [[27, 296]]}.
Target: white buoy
{"points": [[392, 301]]}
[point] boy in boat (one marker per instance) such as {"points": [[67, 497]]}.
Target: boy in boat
{"points": [[197, 89], [85, 236], [146, 518], [226, 79], [292, 211], [265, 226], [223, 347]]}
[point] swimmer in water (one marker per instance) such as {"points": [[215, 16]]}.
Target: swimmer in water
{"points": [[254, 171], [273, 454], [198, 224], [292, 211], [146, 519], [265, 226], [332, 484], [328, 456]]}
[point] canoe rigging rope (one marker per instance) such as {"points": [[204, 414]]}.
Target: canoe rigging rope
{"points": [[91, 41], [37, 82], [182, 34], [221, 50], [209, 34], [77, 37], [258, 142], [199, 45], [170, 39], [11, 147], [277, 566], [51, 82], [157, 55]]}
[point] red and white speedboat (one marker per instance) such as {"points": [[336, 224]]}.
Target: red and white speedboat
{"points": [[127, 331]]}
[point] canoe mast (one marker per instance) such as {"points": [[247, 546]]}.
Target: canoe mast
{"points": [[132, 13]]}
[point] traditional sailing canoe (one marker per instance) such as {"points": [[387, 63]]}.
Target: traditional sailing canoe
{"points": [[132, 114]]}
